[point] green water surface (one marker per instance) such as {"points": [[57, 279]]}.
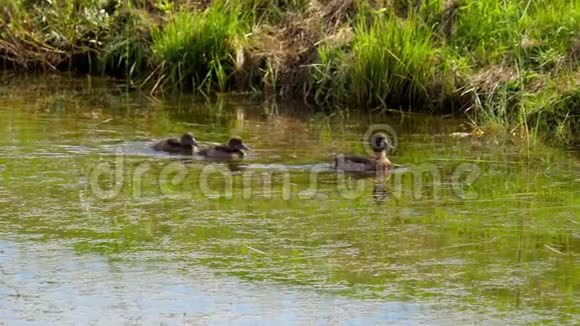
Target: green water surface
{"points": [[96, 227]]}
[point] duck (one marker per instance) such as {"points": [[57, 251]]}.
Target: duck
{"points": [[186, 145], [233, 149], [380, 161]]}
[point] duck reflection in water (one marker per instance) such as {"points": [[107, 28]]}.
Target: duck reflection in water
{"points": [[381, 190], [379, 165]]}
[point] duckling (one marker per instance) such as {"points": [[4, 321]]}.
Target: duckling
{"points": [[185, 145], [380, 162], [234, 148]]}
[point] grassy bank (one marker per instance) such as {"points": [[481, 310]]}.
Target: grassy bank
{"points": [[511, 65]]}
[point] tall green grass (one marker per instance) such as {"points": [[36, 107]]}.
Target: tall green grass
{"points": [[492, 32], [487, 30], [536, 39], [52, 34], [199, 50], [393, 61], [390, 61], [127, 52]]}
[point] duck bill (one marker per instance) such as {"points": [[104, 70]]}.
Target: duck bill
{"points": [[387, 146], [244, 146]]}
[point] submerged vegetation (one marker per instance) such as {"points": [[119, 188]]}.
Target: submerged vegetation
{"points": [[511, 65]]}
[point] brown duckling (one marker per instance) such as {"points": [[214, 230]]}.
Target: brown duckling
{"points": [[234, 148], [185, 145], [379, 162]]}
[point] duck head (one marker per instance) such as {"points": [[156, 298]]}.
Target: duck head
{"points": [[188, 140], [237, 144], [379, 143]]}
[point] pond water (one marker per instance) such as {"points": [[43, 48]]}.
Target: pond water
{"points": [[97, 228]]}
